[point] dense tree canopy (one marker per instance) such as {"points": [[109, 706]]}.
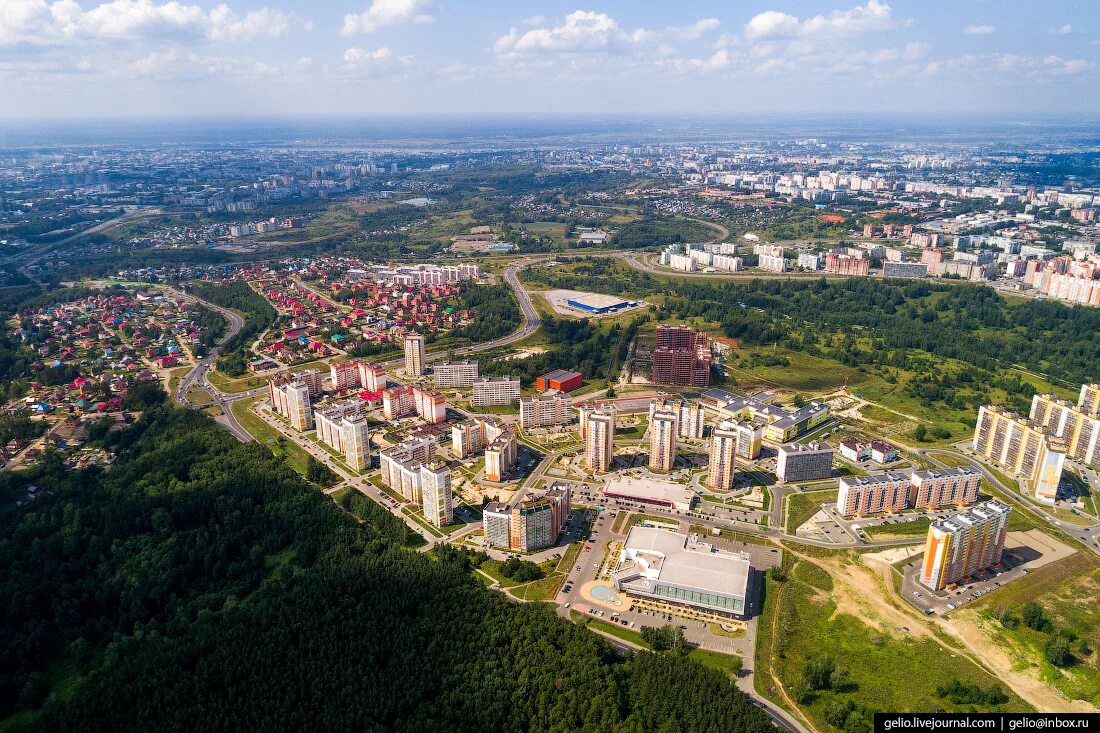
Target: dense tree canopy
{"points": [[201, 585]]}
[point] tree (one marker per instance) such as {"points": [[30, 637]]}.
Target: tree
{"points": [[818, 673], [920, 433], [1033, 616], [1057, 651]]}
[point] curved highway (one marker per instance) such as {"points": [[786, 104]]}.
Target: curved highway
{"points": [[1089, 535], [200, 370]]}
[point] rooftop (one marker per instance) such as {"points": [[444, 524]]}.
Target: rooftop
{"points": [[685, 561], [650, 489]]}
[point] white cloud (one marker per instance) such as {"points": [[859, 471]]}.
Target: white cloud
{"points": [[582, 31], [875, 16], [693, 32], [42, 22], [1062, 30], [916, 50], [382, 13], [978, 30], [175, 63]]}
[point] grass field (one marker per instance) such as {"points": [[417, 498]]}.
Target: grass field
{"points": [[916, 528], [803, 505], [175, 376], [233, 385], [615, 630], [280, 445], [1067, 590], [802, 621]]}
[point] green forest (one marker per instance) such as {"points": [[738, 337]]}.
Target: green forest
{"points": [[202, 585], [969, 323]]}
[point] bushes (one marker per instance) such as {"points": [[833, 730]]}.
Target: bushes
{"points": [[961, 693], [521, 571], [664, 638]]}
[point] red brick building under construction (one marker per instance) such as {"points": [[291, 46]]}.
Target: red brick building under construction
{"points": [[681, 356]]}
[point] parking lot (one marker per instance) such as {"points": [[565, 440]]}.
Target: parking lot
{"points": [[595, 558]]}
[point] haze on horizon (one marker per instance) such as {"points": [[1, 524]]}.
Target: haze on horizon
{"points": [[141, 58]]}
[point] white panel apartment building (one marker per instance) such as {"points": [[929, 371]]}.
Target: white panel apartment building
{"points": [[292, 401], [495, 391], [663, 429], [401, 466], [599, 440], [414, 354], [537, 412], [435, 488], [344, 428], [454, 374]]}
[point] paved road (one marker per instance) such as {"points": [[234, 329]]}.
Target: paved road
{"points": [[531, 320], [35, 252], [1088, 534], [199, 373]]}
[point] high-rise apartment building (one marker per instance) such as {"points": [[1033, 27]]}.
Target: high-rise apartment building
{"points": [[750, 440], [414, 354], [681, 356], [964, 544], [691, 416], [797, 462], [399, 402], [1077, 425], [435, 488], [292, 401], [454, 374], [873, 494], [494, 391], [356, 442], [468, 438], [723, 452], [501, 453], [940, 487], [496, 521], [532, 524], [345, 375], [401, 466], [1024, 446], [372, 377], [664, 427], [692, 420], [599, 441], [543, 410]]}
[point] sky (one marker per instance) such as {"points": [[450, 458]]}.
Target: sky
{"points": [[140, 58]]}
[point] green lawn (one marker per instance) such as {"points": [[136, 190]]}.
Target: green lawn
{"points": [[279, 444], [728, 663], [1067, 590], [616, 630], [417, 517], [234, 385], [492, 568], [880, 662], [916, 528], [803, 505]]}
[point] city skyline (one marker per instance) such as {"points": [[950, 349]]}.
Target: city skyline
{"points": [[129, 58]]}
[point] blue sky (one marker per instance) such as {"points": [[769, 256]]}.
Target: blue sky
{"points": [[77, 58]]}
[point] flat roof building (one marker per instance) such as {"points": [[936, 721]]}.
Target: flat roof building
{"points": [[559, 379], [797, 462], [682, 570], [650, 491]]}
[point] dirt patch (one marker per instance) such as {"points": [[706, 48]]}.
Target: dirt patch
{"points": [[865, 592], [1013, 669], [1049, 549]]}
